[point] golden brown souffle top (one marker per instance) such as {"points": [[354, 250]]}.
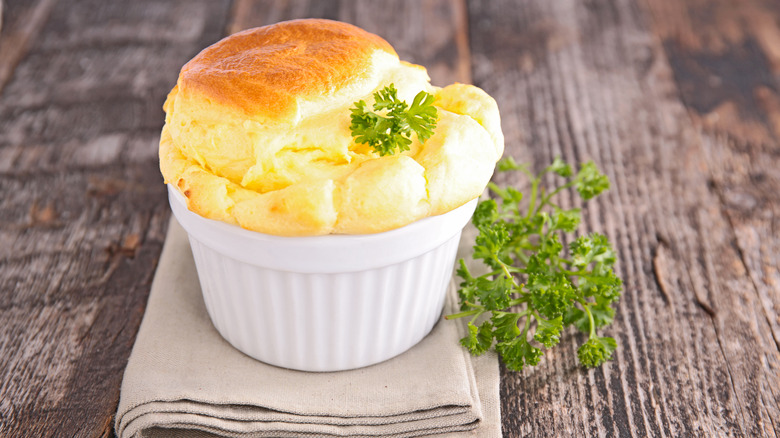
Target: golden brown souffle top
{"points": [[257, 134]]}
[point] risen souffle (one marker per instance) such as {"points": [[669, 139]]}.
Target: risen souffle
{"points": [[257, 134]]}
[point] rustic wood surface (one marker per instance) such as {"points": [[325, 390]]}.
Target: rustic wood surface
{"points": [[678, 101]]}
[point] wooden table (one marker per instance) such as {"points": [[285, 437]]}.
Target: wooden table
{"points": [[677, 100]]}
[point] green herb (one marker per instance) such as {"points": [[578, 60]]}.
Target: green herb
{"points": [[536, 285], [393, 130]]}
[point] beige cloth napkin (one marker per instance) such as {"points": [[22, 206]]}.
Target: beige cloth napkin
{"points": [[183, 379]]}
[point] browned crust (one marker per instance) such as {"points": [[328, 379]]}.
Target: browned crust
{"points": [[264, 71]]}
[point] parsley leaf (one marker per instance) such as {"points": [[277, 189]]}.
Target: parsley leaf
{"points": [[485, 214], [393, 130], [590, 181], [506, 325], [479, 340], [548, 332], [596, 351], [594, 247], [561, 168], [550, 293], [493, 294], [537, 284], [566, 220], [519, 352], [509, 163]]}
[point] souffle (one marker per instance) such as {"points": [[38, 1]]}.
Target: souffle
{"points": [[257, 134]]}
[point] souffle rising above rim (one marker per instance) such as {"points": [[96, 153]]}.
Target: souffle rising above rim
{"points": [[257, 134]]}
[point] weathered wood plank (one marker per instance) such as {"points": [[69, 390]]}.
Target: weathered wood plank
{"points": [[83, 212], [746, 181], [726, 62], [693, 215], [696, 357], [725, 56], [21, 24]]}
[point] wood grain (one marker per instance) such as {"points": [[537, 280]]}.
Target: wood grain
{"points": [[676, 100], [697, 356], [725, 56], [747, 181], [23, 22], [83, 211]]}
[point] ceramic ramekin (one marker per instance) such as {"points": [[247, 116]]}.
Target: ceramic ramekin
{"points": [[323, 303]]}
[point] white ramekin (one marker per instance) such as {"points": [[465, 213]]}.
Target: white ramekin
{"points": [[323, 303]]}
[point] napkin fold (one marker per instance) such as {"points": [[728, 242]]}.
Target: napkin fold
{"points": [[183, 379]]}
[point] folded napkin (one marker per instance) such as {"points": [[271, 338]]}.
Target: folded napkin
{"points": [[183, 379]]}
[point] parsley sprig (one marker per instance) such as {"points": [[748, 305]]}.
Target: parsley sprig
{"points": [[393, 130], [536, 285]]}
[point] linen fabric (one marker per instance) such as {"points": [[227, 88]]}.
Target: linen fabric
{"points": [[184, 379]]}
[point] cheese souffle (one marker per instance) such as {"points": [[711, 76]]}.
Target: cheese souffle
{"points": [[257, 134]]}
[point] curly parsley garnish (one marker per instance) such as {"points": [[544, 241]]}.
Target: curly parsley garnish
{"points": [[536, 286], [393, 130]]}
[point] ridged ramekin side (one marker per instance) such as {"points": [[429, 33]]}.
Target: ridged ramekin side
{"points": [[324, 322]]}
